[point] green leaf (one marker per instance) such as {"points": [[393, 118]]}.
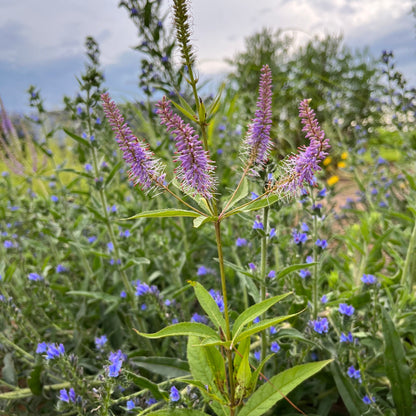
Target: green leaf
{"points": [[177, 412], [202, 372], [209, 305], [254, 311], [267, 395], [188, 112], [144, 383], [162, 213], [201, 220], [78, 139], [34, 381], [115, 169], [397, 370], [241, 193], [261, 326], [8, 371], [105, 297], [167, 367], [183, 328], [243, 376], [215, 105], [261, 203], [136, 261], [353, 402], [293, 268]]}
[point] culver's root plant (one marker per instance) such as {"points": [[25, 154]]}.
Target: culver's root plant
{"points": [[218, 352]]}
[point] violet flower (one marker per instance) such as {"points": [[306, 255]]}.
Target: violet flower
{"points": [[303, 166], [145, 169], [196, 169], [257, 142]]}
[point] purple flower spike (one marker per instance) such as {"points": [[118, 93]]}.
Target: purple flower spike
{"points": [[257, 142], [145, 169], [196, 169], [303, 166]]}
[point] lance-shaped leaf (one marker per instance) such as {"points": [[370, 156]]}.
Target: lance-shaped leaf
{"points": [[183, 329], [396, 367], [267, 395], [261, 326], [144, 383], [177, 412], [209, 305], [163, 213], [254, 311]]}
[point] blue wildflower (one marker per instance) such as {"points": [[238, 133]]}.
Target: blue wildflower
{"points": [[63, 396], [202, 271], [258, 225], [54, 351], [254, 195], [324, 299], [299, 238], [218, 299], [304, 273], [257, 355], [199, 318], [309, 259], [272, 274], [60, 268], [256, 320], [240, 242], [110, 246], [369, 279], [54, 198], [304, 227], [272, 232], [367, 399], [346, 338], [142, 288], [151, 401], [174, 394], [322, 243], [35, 277], [353, 373], [320, 325], [8, 244], [273, 330], [130, 405], [252, 266], [41, 348], [123, 294], [92, 239], [346, 309], [115, 368], [275, 347], [100, 342], [322, 193]]}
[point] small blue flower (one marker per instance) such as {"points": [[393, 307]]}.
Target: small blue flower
{"points": [[202, 271], [174, 394], [35, 277], [254, 195], [272, 233], [130, 405], [54, 198], [241, 242], [346, 309], [63, 396], [123, 294], [8, 244], [304, 273], [299, 238], [256, 320], [54, 351], [41, 348], [272, 274], [100, 342], [273, 330], [60, 268], [258, 225], [322, 243], [346, 338], [320, 325], [257, 355], [92, 239], [115, 368], [304, 227], [309, 259], [252, 266], [367, 399], [142, 288], [151, 401], [353, 373], [324, 299], [369, 279], [198, 318], [322, 193], [216, 295], [110, 246], [275, 347]]}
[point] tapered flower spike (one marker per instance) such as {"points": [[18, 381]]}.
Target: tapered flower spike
{"points": [[257, 143], [145, 169], [302, 167], [195, 171]]}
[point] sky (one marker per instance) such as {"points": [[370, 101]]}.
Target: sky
{"points": [[42, 42]]}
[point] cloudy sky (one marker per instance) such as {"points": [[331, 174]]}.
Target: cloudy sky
{"points": [[42, 42]]}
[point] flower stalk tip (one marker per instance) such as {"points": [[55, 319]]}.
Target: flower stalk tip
{"points": [[145, 169]]}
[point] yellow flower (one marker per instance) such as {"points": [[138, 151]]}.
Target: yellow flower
{"points": [[332, 180], [341, 165], [344, 155], [327, 161]]}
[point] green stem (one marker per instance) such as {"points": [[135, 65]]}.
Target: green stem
{"points": [[315, 283], [263, 265], [217, 225]]}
